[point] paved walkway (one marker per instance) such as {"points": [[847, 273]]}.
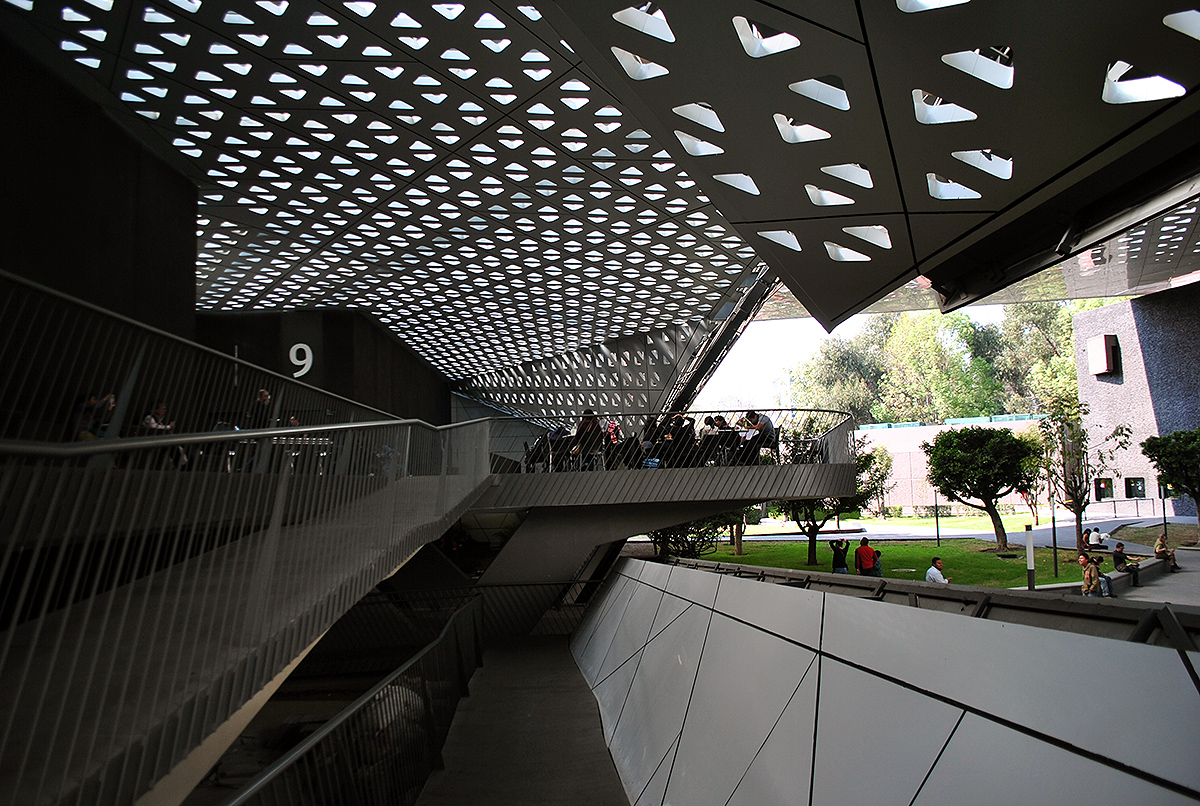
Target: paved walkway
{"points": [[1181, 587], [529, 734]]}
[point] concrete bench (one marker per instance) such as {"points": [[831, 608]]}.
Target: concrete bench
{"points": [[1147, 570]]}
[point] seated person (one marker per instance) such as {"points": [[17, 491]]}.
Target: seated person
{"points": [[709, 428], [681, 441], [1106, 583], [1121, 563], [1091, 576], [934, 574], [156, 421], [760, 433], [1163, 552], [589, 441]]}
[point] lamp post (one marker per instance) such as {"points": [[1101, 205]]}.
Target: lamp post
{"points": [[1053, 534], [1029, 553], [937, 524]]}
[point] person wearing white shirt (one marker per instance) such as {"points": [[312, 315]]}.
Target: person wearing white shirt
{"points": [[934, 574]]}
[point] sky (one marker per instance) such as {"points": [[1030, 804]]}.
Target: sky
{"points": [[756, 371]]}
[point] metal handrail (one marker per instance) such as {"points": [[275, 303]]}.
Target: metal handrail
{"points": [[150, 586], [802, 436], [290, 760], [55, 351], [15, 447]]}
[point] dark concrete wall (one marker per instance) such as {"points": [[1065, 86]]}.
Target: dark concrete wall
{"points": [[352, 355], [1157, 389], [1168, 324], [86, 209]]}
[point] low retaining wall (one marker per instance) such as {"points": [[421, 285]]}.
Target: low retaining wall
{"points": [[715, 689]]}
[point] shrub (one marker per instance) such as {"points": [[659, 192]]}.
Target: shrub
{"points": [[941, 511]]}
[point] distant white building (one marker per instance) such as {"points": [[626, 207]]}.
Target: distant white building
{"points": [[910, 470]]}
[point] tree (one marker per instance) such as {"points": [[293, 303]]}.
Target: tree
{"points": [[694, 539], [1071, 463], [1176, 457], [847, 375], [927, 367], [1037, 471], [980, 465], [1036, 360], [872, 471]]}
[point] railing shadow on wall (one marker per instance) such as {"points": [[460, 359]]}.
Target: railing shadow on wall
{"points": [[381, 748], [617, 441], [150, 586], [72, 371]]}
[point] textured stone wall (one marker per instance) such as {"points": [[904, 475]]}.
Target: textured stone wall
{"points": [[1157, 389]]}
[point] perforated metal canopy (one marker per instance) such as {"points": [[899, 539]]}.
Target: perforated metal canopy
{"points": [[501, 182], [451, 168], [857, 144]]}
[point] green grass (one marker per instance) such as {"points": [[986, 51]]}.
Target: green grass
{"points": [[965, 560], [1178, 534], [977, 523]]}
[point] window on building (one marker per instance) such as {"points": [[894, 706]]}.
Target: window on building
{"points": [[1104, 355], [1104, 489], [1135, 488]]}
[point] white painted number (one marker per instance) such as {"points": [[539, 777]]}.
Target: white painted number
{"points": [[301, 355]]}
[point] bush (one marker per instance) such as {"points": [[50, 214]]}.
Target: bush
{"points": [[696, 538], [941, 510], [754, 515], [893, 512]]}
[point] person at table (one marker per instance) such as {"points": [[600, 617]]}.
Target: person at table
{"points": [[760, 433], [709, 428], [589, 441], [155, 423], [721, 423], [680, 438]]}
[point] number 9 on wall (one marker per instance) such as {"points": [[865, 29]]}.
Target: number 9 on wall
{"points": [[301, 356]]}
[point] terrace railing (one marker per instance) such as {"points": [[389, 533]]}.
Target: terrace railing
{"points": [[150, 586], [627, 442], [381, 749], [71, 371]]}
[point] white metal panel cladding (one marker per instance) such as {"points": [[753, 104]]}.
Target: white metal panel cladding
{"points": [[854, 696]]}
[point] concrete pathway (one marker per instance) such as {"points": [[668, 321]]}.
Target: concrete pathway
{"points": [[529, 734], [1181, 587]]}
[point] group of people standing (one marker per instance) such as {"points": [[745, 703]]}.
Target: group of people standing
{"points": [[866, 559]]}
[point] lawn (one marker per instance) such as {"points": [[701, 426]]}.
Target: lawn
{"points": [[976, 523], [1178, 534], [966, 561]]}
